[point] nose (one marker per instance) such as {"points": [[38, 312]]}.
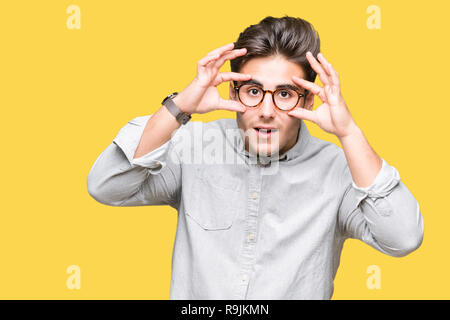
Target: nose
{"points": [[267, 109]]}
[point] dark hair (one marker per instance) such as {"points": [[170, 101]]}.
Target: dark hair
{"points": [[288, 36]]}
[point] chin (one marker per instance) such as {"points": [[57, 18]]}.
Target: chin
{"points": [[265, 150]]}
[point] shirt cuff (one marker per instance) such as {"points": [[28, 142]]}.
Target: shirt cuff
{"points": [[128, 140], [385, 181], [154, 160]]}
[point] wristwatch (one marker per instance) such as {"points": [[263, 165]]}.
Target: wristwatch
{"points": [[182, 117]]}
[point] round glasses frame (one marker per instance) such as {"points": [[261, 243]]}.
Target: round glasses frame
{"points": [[300, 95]]}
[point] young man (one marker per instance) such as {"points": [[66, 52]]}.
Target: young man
{"points": [[272, 228]]}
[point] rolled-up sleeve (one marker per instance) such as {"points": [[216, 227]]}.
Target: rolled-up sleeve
{"points": [[384, 215], [117, 179]]}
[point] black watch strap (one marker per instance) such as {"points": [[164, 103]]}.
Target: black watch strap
{"points": [[182, 117]]}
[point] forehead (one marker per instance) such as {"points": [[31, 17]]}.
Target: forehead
{"points": [[272, 70]]}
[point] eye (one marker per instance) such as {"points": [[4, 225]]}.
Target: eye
{"points": [[285, 94], [253, 91]]}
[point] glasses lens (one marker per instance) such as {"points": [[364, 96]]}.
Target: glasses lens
{"points": [[286, 99], [250, 95]]}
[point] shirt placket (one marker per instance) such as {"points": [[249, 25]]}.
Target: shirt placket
{"points": [[248, 249]]}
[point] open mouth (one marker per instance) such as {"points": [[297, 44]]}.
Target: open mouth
{"points": [[265, 132]]}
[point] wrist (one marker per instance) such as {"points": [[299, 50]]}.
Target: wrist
{"points": [[181, 103], [352, 131]]}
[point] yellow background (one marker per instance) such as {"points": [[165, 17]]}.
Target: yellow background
{"points": [[64, 95]]}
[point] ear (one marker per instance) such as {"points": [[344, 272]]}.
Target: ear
{"points": [[309, 101], [231, 90]]}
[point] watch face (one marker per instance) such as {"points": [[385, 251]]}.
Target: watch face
{"points": [[170, 96]]}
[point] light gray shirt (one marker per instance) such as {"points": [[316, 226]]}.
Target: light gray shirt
{"points": [[256, 230]]}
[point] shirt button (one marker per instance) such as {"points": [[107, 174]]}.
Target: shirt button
{"points": [[156, 165], [251, 236], [244, 278], [254, 195]]}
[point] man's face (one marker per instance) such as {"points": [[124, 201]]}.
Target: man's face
{"points": [[270, 72]]}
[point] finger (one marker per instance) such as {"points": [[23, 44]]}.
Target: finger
{"points": [[231, 105], [324, 63], [222, 49], [323, 76], [332, 95], [311, 86], [230, 56], [231, 76], [215, 54], [334, 76], [204, 61], [301, 113]]}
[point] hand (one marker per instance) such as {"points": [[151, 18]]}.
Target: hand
{"points": [[333, 116], [201, 95]]}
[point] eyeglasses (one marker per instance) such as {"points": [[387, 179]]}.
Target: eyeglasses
{"points": [[284, 99]]}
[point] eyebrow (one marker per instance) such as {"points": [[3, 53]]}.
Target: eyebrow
{"points": [[280, 86]]}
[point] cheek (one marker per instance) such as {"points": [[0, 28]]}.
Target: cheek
{"points": [[240, 120], [244, 119], [282, 138], [289, 131]]}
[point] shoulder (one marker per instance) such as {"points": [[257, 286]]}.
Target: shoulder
{"points": [[220, 125], [328, 156], [216, 132], [325, 149]]}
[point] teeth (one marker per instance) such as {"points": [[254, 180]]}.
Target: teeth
{"points": [[266, 130]]}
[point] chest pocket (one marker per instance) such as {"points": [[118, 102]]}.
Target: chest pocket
{"points": [[215, 199]]}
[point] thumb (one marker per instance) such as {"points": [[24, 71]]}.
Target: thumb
{"points": [[231, 105], [302, 113]]}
